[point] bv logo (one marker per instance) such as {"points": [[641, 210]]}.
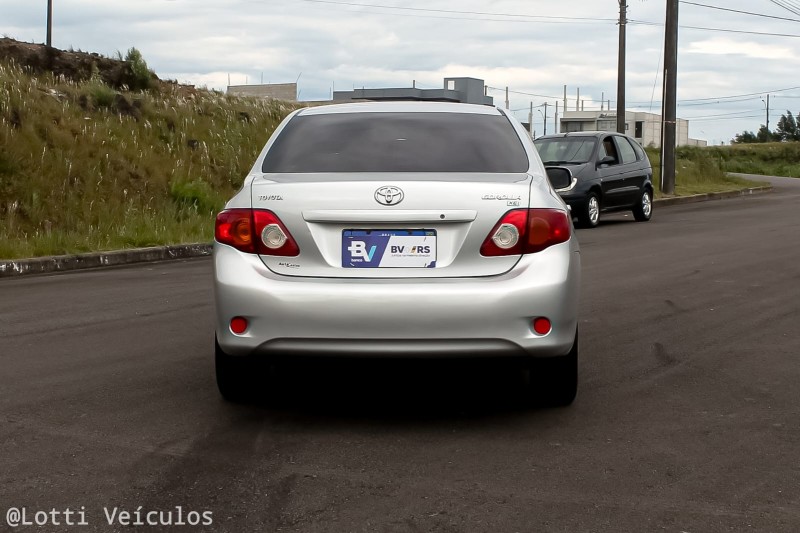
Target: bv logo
{"points": [[358, 250]]}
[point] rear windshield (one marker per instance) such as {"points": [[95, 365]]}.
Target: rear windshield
{"points": [[565, 150], [397, 142]]}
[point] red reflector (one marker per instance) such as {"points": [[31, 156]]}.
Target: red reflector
{"points": [[238, 325], [542, 326]]}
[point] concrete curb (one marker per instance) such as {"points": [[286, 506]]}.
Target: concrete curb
{"points": [[64, 263], [679, 200]]}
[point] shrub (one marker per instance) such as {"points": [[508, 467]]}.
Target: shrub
{"points": [[141, 74]]}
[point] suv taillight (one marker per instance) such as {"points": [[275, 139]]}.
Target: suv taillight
{"points": [[527, 231], [255, 231]]}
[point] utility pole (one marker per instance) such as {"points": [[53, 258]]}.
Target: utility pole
{"points": [[530, 121], [578, 100], [670, 99], [556, 127], [49, 23], [623, 20], [545, 118], [507, 97], [767, 112]]}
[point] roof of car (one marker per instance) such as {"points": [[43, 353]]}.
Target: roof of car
{"points": [[401, 107], [579, 134]]}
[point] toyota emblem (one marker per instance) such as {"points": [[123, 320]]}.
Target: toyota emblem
{"points": [[389, 195]]}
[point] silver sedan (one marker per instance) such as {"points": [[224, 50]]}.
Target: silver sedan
{"points": [[402, 229]]}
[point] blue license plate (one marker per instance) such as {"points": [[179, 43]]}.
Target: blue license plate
{"points": [[395, 248]]}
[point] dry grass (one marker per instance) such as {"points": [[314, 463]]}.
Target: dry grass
{"points": [[84, 167]]}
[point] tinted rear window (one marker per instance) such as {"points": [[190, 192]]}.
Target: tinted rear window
{"points": [[564, 150], [397, 142]]}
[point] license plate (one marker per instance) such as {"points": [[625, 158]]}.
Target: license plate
{"points": [[394, 248]]}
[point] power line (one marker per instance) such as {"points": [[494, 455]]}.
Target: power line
{"points": [[738, 11], [539, 18], [724, 30], [787, 6], [521, 92]]}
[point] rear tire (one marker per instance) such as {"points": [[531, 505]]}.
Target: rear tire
{"points": [[554, 381], [589, 215], [234, 375], [643, 210]]}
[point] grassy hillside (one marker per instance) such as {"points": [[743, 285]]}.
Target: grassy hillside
{"points": [[85, 167]]}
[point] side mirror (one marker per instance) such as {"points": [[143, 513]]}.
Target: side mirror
{"points": [[560, 178], [607, 160]]}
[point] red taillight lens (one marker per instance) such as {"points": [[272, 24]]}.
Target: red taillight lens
{"points": [[527, 231], [255, 231], [234, 227]]}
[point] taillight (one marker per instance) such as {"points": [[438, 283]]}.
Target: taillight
{"points": [[255, 231], [527, 231], [234, 227]]}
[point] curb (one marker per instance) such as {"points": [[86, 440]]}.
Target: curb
{"points": [[679, 200], [65, 263]]}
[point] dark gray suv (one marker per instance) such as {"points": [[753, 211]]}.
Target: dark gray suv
{"points": [[596, 171]]}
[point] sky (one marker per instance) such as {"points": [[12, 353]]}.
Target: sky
{"points": [[728, 61]]}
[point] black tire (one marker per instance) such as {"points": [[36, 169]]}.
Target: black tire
{"points": [[643, 210], [234, 375], [589, 213], [554, 381]]}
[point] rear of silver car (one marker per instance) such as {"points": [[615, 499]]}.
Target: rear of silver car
{"points": [[403, 230]]}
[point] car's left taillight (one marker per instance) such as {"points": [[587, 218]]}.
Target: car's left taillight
{"points": [[527, 231], [255, 231]]}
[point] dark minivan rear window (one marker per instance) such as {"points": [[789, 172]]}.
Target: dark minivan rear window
{"points": [[397, 142]]}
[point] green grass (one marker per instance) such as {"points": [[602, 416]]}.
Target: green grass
{"points": [[768, 159], [84, 167], [697, 171]]}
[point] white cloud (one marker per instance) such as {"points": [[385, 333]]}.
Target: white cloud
{"points": [[202, 41], [725, 46]]}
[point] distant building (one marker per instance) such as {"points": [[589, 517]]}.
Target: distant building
{"points": [[644, 127], [464, 90], [279, 91]]}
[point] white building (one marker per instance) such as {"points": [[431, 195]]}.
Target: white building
{"points": [[644, 127]]}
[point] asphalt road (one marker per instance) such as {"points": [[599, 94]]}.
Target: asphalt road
{"points": [[687, 417]]}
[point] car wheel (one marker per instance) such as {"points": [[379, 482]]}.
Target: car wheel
{"points": [[554, 380], [589, 217], [643, 210], [233, 375]]}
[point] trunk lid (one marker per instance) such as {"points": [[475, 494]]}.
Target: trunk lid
{"points": [[414, 225]]}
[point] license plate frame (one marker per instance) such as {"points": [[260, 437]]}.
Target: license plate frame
{"points": [[389, 248]]}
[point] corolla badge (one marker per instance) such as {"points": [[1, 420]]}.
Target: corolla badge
{"points": [[389, 195]]}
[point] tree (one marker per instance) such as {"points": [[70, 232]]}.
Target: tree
{"points": [[787, 129], [746, 137], [766, 136]]}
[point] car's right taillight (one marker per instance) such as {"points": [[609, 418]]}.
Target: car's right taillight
{"points": [[527, 231], [255, 231], [234, 227]]}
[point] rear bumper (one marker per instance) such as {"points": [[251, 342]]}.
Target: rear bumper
{"points": [[441, 317]]}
